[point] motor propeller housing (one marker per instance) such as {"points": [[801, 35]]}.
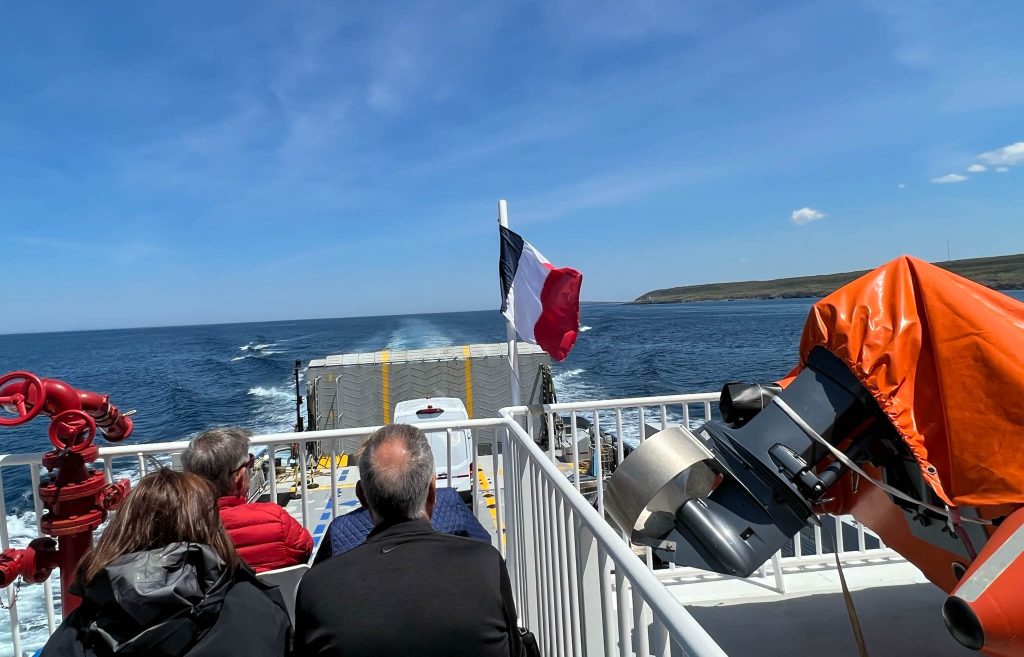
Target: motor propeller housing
{"points": [[726, 498]]}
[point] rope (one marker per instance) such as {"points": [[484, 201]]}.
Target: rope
{"points": [[842, 458], [851, 611]]}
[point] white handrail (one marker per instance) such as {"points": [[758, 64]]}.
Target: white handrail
{"points": [[610, 404], [591, 549], [681, 626]]}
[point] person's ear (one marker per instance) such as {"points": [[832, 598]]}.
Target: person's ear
{"points": [[361, 496], [239, 483], [431, 497]]}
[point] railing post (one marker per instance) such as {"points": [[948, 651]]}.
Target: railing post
{"points": [[780, 583], [527, 565], [11, 591], [588, 568]]}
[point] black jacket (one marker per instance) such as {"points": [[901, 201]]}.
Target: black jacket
{"points": [[176, 601], [408, 590]]}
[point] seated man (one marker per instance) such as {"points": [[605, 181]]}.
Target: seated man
{"points": [[264, 534], [408, 589], [450, 516]]}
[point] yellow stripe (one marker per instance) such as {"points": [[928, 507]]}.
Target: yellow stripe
{"points": [[489, 500], [385, 390], [469, 381], [485, 487]]}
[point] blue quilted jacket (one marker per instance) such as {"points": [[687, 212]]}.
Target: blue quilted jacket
{"points": [[451, 516]]}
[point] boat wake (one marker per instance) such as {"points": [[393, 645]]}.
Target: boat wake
{"points": [[417, 333], [253, 346], [571, 386], [276, 411], [256, 350]]}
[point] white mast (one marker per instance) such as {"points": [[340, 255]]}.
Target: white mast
{"points": [[510, 331]]}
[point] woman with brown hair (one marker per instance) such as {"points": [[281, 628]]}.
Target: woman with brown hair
{"points": [[164, 580]]}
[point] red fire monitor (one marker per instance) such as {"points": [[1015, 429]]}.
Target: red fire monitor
{"points": [[75, 496]]}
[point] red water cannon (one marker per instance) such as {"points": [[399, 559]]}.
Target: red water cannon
{"points": [[76, 497]]}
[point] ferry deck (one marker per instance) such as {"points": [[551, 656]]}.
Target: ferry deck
{"points": [[579, 585]]}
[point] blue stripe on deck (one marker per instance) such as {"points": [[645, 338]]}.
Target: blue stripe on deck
{"points": [[318, 532]]}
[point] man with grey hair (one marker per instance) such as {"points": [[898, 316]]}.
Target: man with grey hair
{"points": [[407, 589], [265, 535]]}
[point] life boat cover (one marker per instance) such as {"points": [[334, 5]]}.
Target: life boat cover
{"points": [[944, 358]]}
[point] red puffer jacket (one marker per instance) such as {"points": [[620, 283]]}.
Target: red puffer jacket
{"points": [[265, 535]]}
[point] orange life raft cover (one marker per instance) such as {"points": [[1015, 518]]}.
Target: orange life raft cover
{"points": [[944, 358]]}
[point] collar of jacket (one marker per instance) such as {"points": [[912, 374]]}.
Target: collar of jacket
{"points": [[229, 501], [393, 528], [154, 603]]}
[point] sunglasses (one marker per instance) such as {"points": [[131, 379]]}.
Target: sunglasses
{"points": [[248, 463]]}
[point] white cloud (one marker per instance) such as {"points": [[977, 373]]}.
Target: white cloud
{"points": [[806, 216], [1011, 155], [902, 185], [1002, 169], [977, 168], [949, 178]]}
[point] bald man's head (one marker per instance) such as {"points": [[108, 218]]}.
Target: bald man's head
{"points": [[396, 473]]}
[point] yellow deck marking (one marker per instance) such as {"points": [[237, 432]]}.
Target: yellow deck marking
{"points": [[488, 497], [341, 460], [469, 381], [385, 390]]}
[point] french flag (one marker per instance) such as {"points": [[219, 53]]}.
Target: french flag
{"points": [[541, 301]]}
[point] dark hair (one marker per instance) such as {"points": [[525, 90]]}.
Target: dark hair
{"points": [[397, 490], [165, 507]]}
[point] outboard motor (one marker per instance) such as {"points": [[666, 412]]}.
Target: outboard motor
{"points": [[729, 497], [739, 402]]}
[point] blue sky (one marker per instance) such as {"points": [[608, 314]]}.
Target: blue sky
{"points": [[179, 163]]}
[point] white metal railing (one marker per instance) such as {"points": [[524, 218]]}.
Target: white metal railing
{"points": [[627, 419], [577, 582], [135, 460], [578, 585]]}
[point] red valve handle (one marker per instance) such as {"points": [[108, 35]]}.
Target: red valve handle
{"points": [[73, 430], [17, 399]]}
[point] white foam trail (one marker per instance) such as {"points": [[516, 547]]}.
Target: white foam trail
{"points": [[256, 353], [415, 333], [252, 346], [570, 386], [563, 377], [272, 392], [277, 412], [584, 329]]}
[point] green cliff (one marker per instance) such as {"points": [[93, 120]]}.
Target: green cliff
{"points": [[999, 272]]}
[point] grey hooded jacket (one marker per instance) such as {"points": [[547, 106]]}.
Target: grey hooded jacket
{"points": [[176, 601]]}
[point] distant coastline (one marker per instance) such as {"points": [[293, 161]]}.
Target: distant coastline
{"points": [[998, 272]]}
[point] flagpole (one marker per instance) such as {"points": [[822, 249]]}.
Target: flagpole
{"points": [[510, 331]]}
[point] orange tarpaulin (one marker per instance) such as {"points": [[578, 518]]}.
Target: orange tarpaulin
{"points": [[944, 358]]}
